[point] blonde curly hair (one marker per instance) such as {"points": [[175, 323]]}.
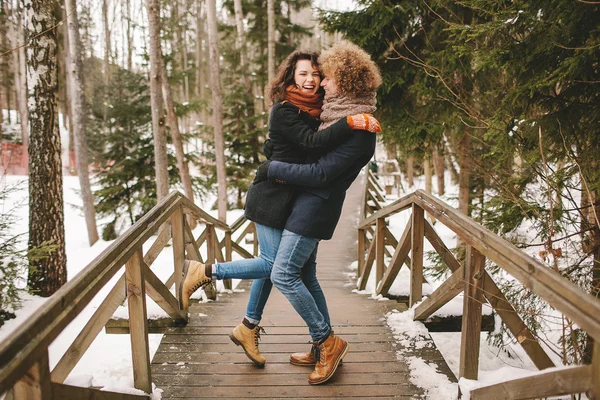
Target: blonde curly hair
{"points": [[352, 69]]}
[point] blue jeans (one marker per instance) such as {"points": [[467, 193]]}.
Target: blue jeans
{"points": [[260, 269], [294, 274]]}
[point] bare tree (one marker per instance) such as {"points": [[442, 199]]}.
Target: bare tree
{"points": [[464, 177], [46, 208], [215, 86], [270, 39], [438, 166], [158, 120], [410, 170], [78, 107], [129, 36], [182, 165], [107, 46], [19, 73], [239, 24]]}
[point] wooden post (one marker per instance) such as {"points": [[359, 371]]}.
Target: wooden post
{"points": [[595, 390], [211, 237], [138, 322], [361, 251], [379, 250], [471, 318], [178, 235], [416, 265], [35, 384], [227, 282]]}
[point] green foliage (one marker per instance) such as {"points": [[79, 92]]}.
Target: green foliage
{"points": [[521, 78], [123, 152], [13, 253]]}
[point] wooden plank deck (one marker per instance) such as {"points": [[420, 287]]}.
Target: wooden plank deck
{"points": [[199, 360]]}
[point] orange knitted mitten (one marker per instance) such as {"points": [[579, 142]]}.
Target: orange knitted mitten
{"points": [[365, 122]]}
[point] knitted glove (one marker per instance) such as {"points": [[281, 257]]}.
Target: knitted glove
{"points": [[262, 172], [268, 149], [365, 122]]}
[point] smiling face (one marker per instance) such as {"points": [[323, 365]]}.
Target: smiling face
{"points": [[329, 84], [307, 77]]}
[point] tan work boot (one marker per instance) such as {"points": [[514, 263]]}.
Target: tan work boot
{"points": [[248, 339], [329, 355], [305, 359], [193, 278]]}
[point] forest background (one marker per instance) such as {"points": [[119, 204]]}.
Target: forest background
{"points": [[502, 95]]}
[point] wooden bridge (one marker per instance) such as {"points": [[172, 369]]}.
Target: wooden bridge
{"points": [[197, 360]]}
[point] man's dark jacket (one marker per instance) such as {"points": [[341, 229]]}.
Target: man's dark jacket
{"points": [[294, 139], [316, 215]]}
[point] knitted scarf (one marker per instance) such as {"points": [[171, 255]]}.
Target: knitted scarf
{"points": [[308, 103], [336, 106]]}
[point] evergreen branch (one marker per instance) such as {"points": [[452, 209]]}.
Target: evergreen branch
{"points": [[583, 181], [576, 48]]}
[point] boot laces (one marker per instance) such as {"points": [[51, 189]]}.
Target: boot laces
{"points": [[200, 284], [257, 332], [318, 352]]}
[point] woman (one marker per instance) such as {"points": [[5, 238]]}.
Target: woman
{"points": [[297, 98]]}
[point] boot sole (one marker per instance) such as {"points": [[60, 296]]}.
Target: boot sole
{"points": [[238, 343], [299, 364], [186, 266], [337, 364]]}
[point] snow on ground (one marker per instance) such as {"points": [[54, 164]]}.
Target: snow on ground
{"points": [[495, 365], [107, 363]]}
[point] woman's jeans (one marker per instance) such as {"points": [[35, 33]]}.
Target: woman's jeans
{"points": [[290, 261]]}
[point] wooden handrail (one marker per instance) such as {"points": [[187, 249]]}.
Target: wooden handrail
{"points": [[471, 278], [28, 344]]}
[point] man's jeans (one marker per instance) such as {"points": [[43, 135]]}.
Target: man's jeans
{"points": [[271, 242], [295, 275]]}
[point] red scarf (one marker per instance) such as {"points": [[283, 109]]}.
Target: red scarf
{"points": [[309, 103]]}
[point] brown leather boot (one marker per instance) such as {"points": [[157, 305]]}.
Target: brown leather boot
{"points": [[305, 359], [329, 355], [248, 339], [193, 278]]}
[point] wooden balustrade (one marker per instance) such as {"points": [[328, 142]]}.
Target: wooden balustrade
{"points": [[376, 244], [24, 369]]}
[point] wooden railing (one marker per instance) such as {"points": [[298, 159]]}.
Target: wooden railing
{"points": [[24, 354], [375, 242]]}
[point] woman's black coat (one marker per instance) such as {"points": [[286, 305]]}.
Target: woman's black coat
{"points": [[294, 139]]}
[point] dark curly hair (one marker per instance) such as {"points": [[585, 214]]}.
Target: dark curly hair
{"points": [[285, 74]]}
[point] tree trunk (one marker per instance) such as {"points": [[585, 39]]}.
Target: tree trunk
{"points": [[464, 177], [158, 120], [270, 40], [46, 209], [184, 171], [215, 85], [20, 71], [428, 174], [239, 23], [79, 127], [107, 45], [129, 37], [440, 172], [410, 170]]}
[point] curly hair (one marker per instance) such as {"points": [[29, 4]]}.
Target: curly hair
{"points": [[285, 73], [352, 69]]}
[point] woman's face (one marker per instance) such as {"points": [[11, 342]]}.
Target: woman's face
{"points": [[329, 84], [307, 77]]}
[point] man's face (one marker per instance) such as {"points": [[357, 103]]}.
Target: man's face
{"points": [[329, 84]]}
